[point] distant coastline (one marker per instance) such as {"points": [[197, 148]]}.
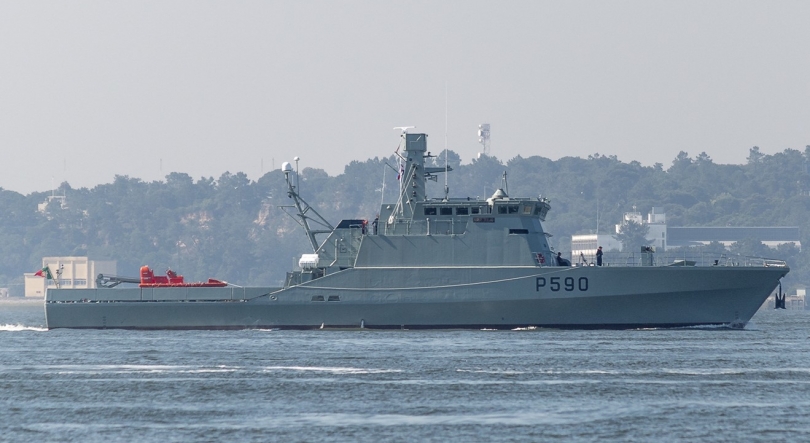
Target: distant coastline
{"points": [[21, 300]]}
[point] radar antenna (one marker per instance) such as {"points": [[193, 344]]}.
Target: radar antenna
{"points": [[404, 129]]}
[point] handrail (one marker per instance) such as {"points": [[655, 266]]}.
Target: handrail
{"points": [[678, 259]]}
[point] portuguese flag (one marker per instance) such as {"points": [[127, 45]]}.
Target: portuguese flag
{"points": [[45, 272]]}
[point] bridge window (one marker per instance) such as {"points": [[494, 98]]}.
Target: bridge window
{"points": [[508, 209], [475, 210], [430, 211], [317, 298], [334, 298], [446, 211], [462, 211]]}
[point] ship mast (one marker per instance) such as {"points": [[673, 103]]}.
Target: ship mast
{"points": [[302, 208], [415, 174]]}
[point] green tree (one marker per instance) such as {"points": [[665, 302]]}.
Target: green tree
{"points": [[632, 235], [750, 247], [754, 155]]}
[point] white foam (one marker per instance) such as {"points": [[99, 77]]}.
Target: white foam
{"points": [[331, 370], [146, 369], [19, 327], [512, 418], [493, 371]]}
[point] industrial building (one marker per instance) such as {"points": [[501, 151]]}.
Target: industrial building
{"points": [[67, 272], [662, 237]]}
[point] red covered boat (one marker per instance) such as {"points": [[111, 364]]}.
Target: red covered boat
{"points": [[150, 280]]}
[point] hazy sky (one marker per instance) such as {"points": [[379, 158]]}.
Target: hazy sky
{"points": [[89, 90]]}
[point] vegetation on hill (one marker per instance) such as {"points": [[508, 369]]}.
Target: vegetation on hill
{"points": [[234, 229]]}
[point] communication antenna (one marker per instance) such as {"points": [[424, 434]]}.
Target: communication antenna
{"points": [[297, 184], [382, 190], [483, 137], [446, 187], [597, 215]]}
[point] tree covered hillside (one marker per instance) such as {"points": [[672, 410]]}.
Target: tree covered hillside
{"points": [[234, 229]]}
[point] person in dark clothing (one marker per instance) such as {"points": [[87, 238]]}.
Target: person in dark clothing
{"points": [[599, 256], [561, 261], [375, 223]]}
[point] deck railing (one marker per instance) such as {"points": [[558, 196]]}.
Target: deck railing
{"points": [[684, 258]]}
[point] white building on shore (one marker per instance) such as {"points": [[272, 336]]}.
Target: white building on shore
{"points": [[663, 237], [583, 247], [71, 272]]}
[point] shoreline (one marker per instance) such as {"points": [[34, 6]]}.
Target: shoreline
{"points": [[22, 300]]}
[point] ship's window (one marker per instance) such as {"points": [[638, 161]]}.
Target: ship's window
{"points": [[334, 298], [527, 210], [501, 209], [462, 211], [513, 209], [430, 211], [446, 211], [518, 231], [475, 210], [317, 298]]}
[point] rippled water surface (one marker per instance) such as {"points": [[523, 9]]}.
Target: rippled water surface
{"points": [[258, 385]]}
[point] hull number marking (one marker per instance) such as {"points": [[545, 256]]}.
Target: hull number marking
{"points": [[568, 284]]}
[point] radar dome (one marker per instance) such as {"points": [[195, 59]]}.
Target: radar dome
{"points": [[286, 167]]}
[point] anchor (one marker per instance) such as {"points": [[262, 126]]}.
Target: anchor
{"points": [[779, 298]]}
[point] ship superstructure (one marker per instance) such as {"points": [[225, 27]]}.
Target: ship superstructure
{"points": [[418, 232]]}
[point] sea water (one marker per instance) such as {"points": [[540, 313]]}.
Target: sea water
{"points": [[710, 384]]}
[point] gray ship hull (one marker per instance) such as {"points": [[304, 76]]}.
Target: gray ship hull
{"points": [[439, 297]]}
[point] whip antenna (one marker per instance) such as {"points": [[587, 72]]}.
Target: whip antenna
{"points": [[446, 187]]}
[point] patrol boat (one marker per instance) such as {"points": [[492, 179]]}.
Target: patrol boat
{"points": [[438, 263]]}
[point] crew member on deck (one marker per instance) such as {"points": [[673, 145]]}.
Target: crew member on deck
{"points": [[561, 261], [599, 256]]}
